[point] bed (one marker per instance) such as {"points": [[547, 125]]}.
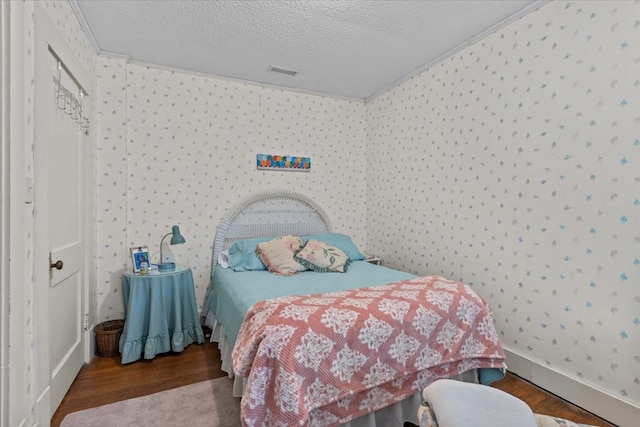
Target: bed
{"points": [[263, 325]]}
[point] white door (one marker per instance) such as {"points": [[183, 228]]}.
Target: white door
{"points": [[66, 243], [61, 200]]}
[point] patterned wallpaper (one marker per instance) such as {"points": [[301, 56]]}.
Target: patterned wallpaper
{"points": [[111, 190], [177, 148], [519, 160]]}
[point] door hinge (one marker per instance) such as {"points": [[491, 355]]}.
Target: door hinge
{"points": [[86, 321]]}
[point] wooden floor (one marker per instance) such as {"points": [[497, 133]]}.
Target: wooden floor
{"points": [[105, 380]]}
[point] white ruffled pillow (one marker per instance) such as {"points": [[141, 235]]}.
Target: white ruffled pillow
{"points": [[277, 255]]}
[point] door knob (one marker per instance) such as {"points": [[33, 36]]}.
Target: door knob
{"points": [[57, 265]]}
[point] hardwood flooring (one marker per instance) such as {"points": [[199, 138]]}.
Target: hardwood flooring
{"points": [[543, 402], [106, 380]]}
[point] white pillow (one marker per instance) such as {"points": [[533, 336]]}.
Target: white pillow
{"points": [[223, 259], [322, 257], [277, 255]]}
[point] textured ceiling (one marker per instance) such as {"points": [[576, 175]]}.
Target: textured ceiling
{"points": [[354, 49]]}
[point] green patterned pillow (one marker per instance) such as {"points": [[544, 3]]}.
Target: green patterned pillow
{"points": [[322, 257]]}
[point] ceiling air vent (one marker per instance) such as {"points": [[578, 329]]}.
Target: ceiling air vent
{"points": [[282, 70]]}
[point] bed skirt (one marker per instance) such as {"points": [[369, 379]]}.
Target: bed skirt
{"points": [[394, 415]]}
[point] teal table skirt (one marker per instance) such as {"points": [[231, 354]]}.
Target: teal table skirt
{"points": [[160, 314]]}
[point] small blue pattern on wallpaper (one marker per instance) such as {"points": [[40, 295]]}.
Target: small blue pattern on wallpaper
{"points": [[520, 158]]}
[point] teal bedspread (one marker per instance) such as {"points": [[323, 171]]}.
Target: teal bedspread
{"points": [[234, 293]]}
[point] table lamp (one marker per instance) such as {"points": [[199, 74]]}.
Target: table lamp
{"points": [[176, 239]]}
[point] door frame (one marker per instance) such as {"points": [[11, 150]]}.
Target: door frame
{"points": [[16, 270], [5, 289], [46, 37]]}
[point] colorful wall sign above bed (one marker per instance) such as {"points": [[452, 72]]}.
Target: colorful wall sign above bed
{"points": [[288, 163]]}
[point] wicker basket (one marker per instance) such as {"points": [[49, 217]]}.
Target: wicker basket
{"points": [[108, 337]]}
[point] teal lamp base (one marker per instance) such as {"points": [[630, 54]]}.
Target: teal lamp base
{"points": [[166, 266]]}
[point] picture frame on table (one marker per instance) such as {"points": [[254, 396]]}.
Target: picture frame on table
{"points": [[139, 254]]}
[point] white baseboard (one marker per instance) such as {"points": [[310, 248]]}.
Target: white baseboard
{"points": [[42, 408], [611, 408], [90, 345]]}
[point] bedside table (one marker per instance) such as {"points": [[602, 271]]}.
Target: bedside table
{"points": [[160, 313], [373, 259]]}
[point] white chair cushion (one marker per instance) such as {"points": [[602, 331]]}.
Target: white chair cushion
{"points": [[461, 404]]}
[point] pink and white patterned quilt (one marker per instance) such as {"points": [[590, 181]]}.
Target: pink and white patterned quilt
{"points": [[322, 360]]}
